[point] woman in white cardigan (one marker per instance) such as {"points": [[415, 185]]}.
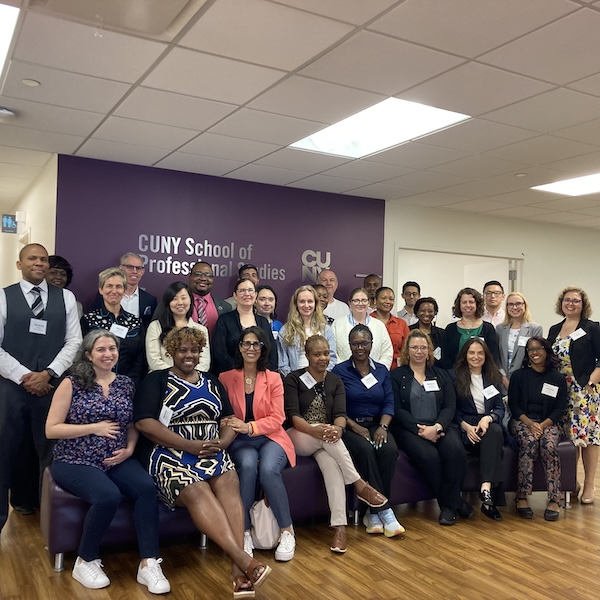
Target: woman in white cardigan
{"points": [[381, 350], [173, 312]]}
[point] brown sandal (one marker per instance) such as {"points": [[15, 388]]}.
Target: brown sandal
{"points": [[239, 591], [254, 573]]}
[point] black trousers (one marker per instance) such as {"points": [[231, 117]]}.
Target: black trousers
{"points": [[22, 416], [490, 454], [375, 465], [442, 464]]}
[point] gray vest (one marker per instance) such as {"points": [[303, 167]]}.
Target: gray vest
{"points": [[33, 350]]}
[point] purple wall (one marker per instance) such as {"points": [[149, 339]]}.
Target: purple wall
{"points": [[175, 219]]}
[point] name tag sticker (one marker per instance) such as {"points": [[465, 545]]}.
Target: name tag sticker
{"points": [[166, 414], [577, 334], [523, 340], [490, 391], [369, 380], [431, 385], [38, 326], [550, 390], [119, 330], [308, 380], [437, 353], [275, 334]]}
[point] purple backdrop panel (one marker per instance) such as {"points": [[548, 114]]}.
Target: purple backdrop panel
{"points": [[174, 219]]}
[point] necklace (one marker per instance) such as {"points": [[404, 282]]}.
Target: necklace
{"points": [[248, 380]]}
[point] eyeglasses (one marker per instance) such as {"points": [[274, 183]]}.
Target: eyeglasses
{"points": [[571, 301], [245, 291], [532, 349], [418, 348], [515, 304], [254, 345], [360, 344], [493, 293], [133, 268], [360, 301], [411, 294], [199, 274]]}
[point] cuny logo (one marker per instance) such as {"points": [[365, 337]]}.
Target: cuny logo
{"points": [[313, 263]]}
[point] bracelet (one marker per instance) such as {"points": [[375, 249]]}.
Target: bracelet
{"points": [[384, 426], [250, 429]]}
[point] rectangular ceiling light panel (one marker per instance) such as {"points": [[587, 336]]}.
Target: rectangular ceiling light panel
{"points": [[8, 22], [578, 186]]}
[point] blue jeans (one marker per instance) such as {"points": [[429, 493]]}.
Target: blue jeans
{"points": [[102, 490], [261, 459]]}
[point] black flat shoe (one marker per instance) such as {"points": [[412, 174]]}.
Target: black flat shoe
{"points": [[486, 497], [447, 517], [551, 515], [524, 512], [491, 512], [465, 511]]}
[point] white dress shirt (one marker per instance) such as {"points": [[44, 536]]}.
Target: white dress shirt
{"points": [[337, 309]]}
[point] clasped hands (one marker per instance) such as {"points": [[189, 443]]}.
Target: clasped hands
{"points": [[476, 432], [329, 434], [429, 432], [37, 383]]}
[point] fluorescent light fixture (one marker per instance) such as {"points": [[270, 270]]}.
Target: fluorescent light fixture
{"points": [[578, 186], [8, 21], [379, 127]]}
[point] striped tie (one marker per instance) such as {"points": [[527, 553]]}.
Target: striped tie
{"points": [[37, 306], [201, 310]]}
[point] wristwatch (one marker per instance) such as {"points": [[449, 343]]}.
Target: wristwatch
{"points": [[52, 373], [439, 430]]}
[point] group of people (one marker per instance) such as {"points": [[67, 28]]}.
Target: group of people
{"points": [[197, 402]]}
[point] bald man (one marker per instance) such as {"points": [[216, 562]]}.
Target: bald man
{"points": [[335, 308]]}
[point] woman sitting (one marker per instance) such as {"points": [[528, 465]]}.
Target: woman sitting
{"points": [[174, 311], [178, 411], [370, 408], [538, 401], [382, 350], [229, 325], [305, 318], [315, 404], [423, 425], [262, 448], [265, 305], [426, 310], [91, 416], [397, 328], [479, 413]]}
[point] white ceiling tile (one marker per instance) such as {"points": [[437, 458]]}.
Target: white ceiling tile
{"points": [[518, 198], [368, 171], [379, 64], [557, 217], [381, 190], [194, 163], [518, 212], [542, 54], [425, 181], [428, 200], [576, 166], [117, 152], [142, 133], [251, 30], [534, 175], [44, 141], [565, 204], [82, 49], [478, 167], [474, 89], [480, 188], [230, 148], [477, 135], [26, 172], [468, 27], [62, 88], [301, 160], [415, 155], [315, 100], [323, 183], [547, 112], [588, 133], [266, 127], [592, 212], [350, 11], [177, 110], [587, 222], [19, 156], [589, 85], [480, 205], [264, 174], [212, 77], [45, 117]]}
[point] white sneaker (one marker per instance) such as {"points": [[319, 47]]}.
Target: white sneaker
{"points": [[286, 547], [152, 577], [248, 545], [372, 522], [90, 574], [391, 527]]}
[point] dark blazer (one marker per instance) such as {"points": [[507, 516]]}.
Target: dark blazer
{"points": [[402, 379], [584, 352], [224, 341], [452, 339], [221, 305], [467, 411], [148, 304]]}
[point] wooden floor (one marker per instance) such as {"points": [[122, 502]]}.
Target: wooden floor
{"points": [[476, 559]]}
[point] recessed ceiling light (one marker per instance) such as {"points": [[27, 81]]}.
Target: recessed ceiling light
{"points": [[6, 115], [8, 21], [30, 82], [520, 174], [379, 127], [577, 186]]}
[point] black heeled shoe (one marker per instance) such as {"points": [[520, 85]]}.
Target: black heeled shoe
{"points": [[486, 497], [487, 506]]}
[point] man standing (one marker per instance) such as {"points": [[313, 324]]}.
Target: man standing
{"points": [[136, 301], [39, 337], [493, 295], [249, 272], [411, 292], [207, 308], [335, 308], [372, 283]]}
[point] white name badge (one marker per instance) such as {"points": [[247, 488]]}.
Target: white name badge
{"points": [[119, 330], [437, 353], [550, 390], [431, 385], [308, 380], [166, 414], [577, 334], [523, 339], [490, 391], [38, 326], [275, 334], [369, 380]]}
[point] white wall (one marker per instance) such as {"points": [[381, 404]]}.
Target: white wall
{"points": [[39, 202], [554, 255]]}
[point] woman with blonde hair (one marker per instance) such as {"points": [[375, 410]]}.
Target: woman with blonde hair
{"points": [[305, 318], [513, 333]]}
